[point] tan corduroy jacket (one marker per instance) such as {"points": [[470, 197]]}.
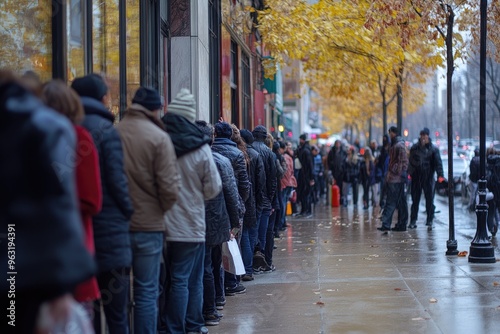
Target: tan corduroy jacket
{"points": [[151, 167]]}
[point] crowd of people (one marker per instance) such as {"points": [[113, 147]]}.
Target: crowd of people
{"points": [[150, 200], [98, 204]]}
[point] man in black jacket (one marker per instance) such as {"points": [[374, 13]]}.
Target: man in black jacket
{"points": [[111, 225], [306, 177], [424, 161]]}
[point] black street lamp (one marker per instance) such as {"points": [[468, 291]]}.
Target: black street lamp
{"points": [[481, 250]]}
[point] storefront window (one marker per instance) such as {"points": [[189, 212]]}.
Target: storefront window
{"points": [[76, 39], [133, 49], [226, 75], [25, 32], [106, 48]]}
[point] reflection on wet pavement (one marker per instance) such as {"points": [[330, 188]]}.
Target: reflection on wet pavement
{"points": [[337, 274]]}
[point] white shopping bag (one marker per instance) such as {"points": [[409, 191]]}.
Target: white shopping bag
{"points": [[231, 258]]}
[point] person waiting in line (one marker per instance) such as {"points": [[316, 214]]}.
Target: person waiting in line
{"points": [[222, 216], [57, 95], [111, 225], [381, 169], [424, 162], [288, 183], [306, 177], [474, 178], [185, 225], [318, 172], [395, 182]]}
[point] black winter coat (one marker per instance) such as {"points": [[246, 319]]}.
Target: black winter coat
{"points": [[222, 212], [228, 148], [38, 197], [269, 161], [257, 177], [424, 161], [111, 225]]}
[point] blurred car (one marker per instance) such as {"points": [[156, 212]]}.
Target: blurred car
{"points": [[466, 147], [460, 178]]}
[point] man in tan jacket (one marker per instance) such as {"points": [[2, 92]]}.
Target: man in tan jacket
{"points": [[151, 168]]}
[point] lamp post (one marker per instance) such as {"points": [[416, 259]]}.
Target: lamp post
{"points": [[481, 250]]}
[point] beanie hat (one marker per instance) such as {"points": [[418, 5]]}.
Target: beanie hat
{"points": [[303, 136], [247, 136], [183, 105], [91, 85], [148, 98], [223, 130], [425, 131], [260, 131]]}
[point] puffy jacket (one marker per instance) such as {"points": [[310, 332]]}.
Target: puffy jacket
{"points": [[38, 196], [222, 212], [257, 177], [111, 225], [229, 149], [200, 181], [424, 161], [398, 161], [268, 159], [151, 167]]}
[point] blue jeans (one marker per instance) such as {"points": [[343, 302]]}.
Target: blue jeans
{"points": [[396, 199], [146, 256], [248, 234], [263, 221], [185, 297], [114, 286], [213, 261], [286, 195]]}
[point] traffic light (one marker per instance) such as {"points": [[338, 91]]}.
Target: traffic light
{"points": [[437, 134]]}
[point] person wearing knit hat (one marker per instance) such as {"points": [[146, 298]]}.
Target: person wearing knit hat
{"points": [[247, 136], [260, 131], [91, 85], [148, 98], [184, 105]]}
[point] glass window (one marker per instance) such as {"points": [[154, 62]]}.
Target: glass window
{"points": [[234, 84], [25, 32], [76, 39], [133, 49], [226, 74], [214, 36], [246, 93]]}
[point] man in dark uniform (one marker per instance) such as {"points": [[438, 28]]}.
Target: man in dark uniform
{"points": [[425, 160]]}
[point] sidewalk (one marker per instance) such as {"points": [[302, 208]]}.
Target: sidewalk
{"points": [[341, 275]]}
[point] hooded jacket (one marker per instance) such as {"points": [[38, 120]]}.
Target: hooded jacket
{"points": [[257, 177], [200, 180], [111, 225]]}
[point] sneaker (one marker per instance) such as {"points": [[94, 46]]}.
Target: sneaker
{"points": [[219, 303], [238, 289], [269, 269], [211, 319], [203, 330], [383, 229], [398, 228], [257, 270], [247, 277], [412, 225]]}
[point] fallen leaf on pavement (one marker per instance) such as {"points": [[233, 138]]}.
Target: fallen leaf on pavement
{"points": [[368, 258], [320, 303], [312, 241], [417, 319], [433, 300], [462, 253], [496, 284], [398, 289]]}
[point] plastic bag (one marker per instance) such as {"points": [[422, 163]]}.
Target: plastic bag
{"points": [[231, 258]]}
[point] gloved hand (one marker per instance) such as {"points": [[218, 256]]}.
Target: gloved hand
{"points": [[441, 179]]}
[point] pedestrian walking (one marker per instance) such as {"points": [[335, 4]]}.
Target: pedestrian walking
{"points": [[306, 177], [185, 221], [370, 185], [151, 168], [111, 225], [424, 162], [395, 182]]}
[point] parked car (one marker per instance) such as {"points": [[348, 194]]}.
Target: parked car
{"points": [[460, 178]]}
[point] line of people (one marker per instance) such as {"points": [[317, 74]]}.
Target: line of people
{"points": [[149, 198]]}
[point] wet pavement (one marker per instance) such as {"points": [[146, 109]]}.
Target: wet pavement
{"points": [[337, 274]]}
